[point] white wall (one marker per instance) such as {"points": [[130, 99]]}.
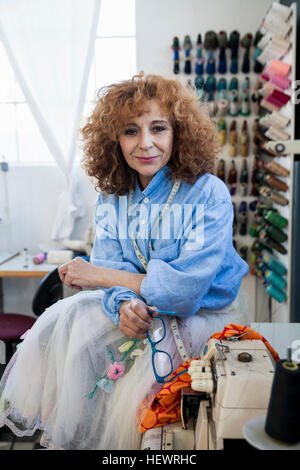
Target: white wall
{"points": [[33, 191], [158, 21]]}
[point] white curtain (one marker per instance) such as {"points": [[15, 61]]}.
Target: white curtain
{"points": [[50, 45]]}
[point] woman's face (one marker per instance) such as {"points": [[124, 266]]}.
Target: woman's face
{"points": [[147, 142]]}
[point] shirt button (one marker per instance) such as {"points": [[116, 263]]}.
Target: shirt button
{"points": [[146, 199], [143, 222]]}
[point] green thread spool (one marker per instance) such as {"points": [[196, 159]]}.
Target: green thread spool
{"points": [[276, 294], [275, 219], [275, 280], [254, 230], [274, 265], [275, 233], [263, 238]]}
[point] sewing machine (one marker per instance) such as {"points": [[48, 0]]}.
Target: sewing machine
{"points": [[231, 384]]}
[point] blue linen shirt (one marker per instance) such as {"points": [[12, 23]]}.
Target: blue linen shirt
{"points": [[193, 263]]}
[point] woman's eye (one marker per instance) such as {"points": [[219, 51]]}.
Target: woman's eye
{"points": [[130, 131], [159, 128]]}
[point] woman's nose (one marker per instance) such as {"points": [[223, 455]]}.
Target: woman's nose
{"points": [[146, 140]]}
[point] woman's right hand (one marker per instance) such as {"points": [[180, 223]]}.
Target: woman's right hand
{"points": [[135, 319]]}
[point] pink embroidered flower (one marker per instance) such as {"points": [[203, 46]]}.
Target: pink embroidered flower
{"points": [[115, 371]]}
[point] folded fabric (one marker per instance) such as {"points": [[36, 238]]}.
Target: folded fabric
{"points": [[271, 52], [278, 98], [164, 408], [275, 119], [276, 79], [278, 67]]}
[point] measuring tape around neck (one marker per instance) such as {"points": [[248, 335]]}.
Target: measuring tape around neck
{"points": [[172, 194], [174, 325]]}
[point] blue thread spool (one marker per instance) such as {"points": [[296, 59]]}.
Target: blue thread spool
{"points": [[199, 69], [222, 84], [246, 62], [210, 84], [211, 65], [222, 68], [234, 84], [234, 66]]}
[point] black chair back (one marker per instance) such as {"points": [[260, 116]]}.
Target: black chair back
{"points": [[49, 291]]}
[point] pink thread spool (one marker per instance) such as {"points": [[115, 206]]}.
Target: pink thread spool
{"points": [[39, 258]]}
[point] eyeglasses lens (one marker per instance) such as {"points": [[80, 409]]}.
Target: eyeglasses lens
{"points": [[157, 332], [162, 364]]}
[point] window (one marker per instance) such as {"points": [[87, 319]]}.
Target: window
{"points": [[115, 49], [114, 60]]}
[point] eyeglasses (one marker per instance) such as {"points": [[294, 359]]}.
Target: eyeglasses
{"points": [[160, 357], [161, 360]]}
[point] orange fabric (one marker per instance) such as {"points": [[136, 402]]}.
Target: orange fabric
{"points": [[164, 408], [235, 330]]}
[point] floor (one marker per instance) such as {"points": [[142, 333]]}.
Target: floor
{"points": [[10, 442], [6, 442]]}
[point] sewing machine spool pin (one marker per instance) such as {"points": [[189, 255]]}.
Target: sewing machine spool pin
{"points": [[220, 347]]}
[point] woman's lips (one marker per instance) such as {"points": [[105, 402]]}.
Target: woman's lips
{"points": [[147, 159]]}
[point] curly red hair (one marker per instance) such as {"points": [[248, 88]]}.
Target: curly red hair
{"points": [[195, 145]]}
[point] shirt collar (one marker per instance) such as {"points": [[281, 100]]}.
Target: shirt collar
{"points": [[155, 184]]}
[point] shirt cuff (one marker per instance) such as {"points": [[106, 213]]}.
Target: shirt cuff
{"points": [[112, 299]]}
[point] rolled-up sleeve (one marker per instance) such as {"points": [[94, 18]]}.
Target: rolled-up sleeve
{"points": [[107, 252], [180, 284]]}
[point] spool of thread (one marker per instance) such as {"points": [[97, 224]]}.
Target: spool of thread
{"points": [[59, 256], [276, 168], [39, 258], [222, 68], [275, 265], [222, 137], [276, 183], [275, 280], [271, 243], [275, 219], [246, 62], [234, 65], [283, 415], [276, 294], [234, 106], [223, 107], [254, 230], [278, 198], [245, 109]]}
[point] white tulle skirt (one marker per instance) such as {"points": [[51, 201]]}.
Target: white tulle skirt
{"points": [[47, 384]]}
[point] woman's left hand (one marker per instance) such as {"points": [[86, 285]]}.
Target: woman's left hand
{"points": [[79, 273]]}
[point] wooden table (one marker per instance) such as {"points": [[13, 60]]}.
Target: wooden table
{"points": [[15, 268]]}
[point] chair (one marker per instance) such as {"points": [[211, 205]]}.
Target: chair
{"points": [[14, 325]]}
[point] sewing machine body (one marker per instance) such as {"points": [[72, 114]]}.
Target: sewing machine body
{"points": [[237, 392]]}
